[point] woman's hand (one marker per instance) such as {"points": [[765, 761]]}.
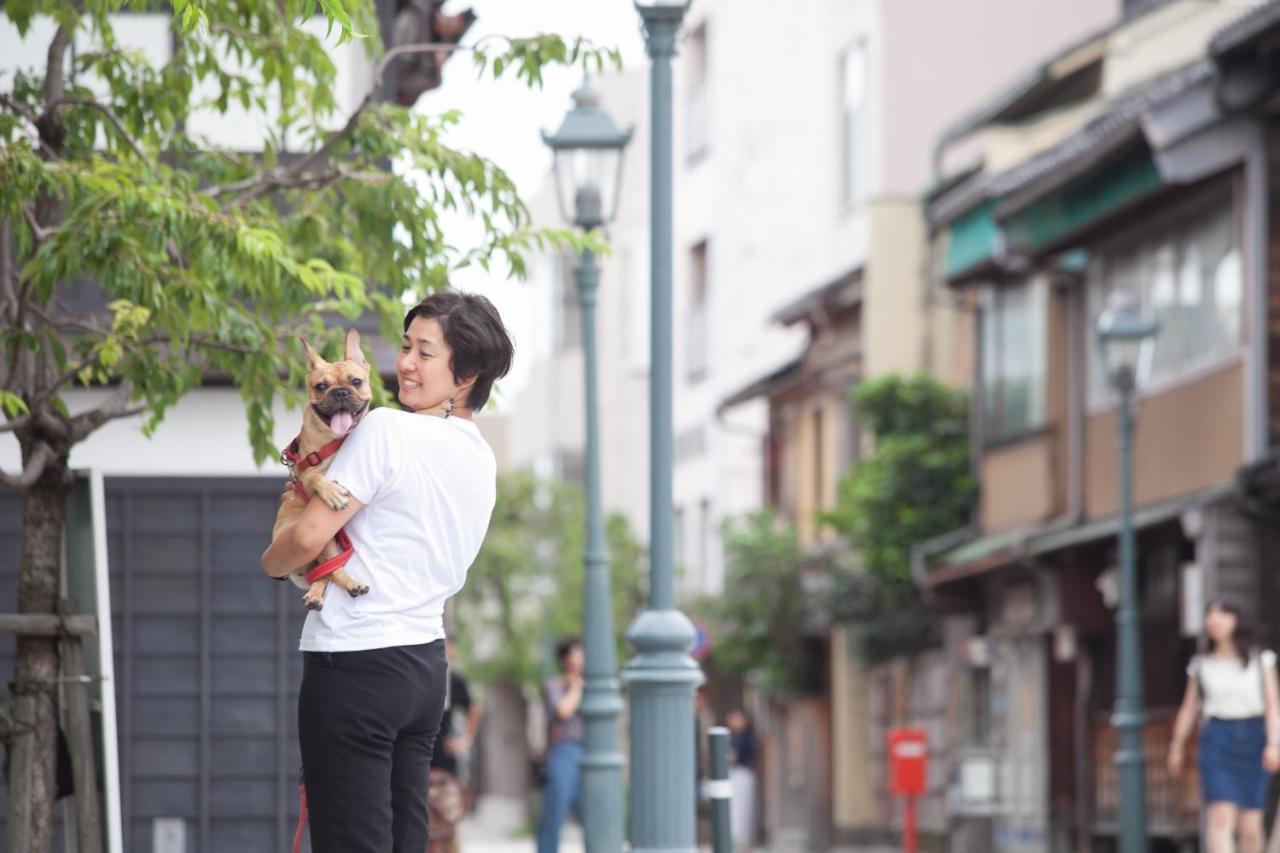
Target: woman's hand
{"points": [[298, 543], [1175, 760], [1271, 757]]}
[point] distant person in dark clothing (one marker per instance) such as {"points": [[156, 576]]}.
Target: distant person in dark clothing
{"points": [[446, 800], [461, 720], [563, 698], [742, 778]]}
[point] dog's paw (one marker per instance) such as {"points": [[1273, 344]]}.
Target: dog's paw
{"points": [[333, 494], [313, 602], [358, 589]]}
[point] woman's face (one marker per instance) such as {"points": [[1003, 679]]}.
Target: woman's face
{"points": [[424, 367], [1219, 624], [573, 661]]}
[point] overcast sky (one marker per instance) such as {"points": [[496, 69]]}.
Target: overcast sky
{"points": [[501, 120]]}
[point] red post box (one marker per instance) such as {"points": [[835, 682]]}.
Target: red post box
{"points": [[908, 751], [908, 754]]}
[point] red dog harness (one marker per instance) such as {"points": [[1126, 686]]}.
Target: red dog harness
{"points": [[292, 457]]}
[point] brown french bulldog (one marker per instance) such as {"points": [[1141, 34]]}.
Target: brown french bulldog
{"points": [[339, 394]]}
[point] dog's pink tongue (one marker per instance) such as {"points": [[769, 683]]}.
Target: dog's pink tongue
{"points": [[341, 423]]}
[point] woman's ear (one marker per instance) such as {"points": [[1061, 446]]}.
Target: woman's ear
{"points": [[465, 390]]}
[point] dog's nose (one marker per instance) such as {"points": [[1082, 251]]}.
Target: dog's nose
{"points": [[342, 393]]}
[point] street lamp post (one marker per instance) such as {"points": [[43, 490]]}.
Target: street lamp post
{"points": [[661, 677], [588, 167], [1125, 338]]}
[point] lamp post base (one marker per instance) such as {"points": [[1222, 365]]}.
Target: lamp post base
{"points": [[661, 679]]}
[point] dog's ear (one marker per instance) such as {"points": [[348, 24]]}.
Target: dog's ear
{"points": [[354, 353], [314, 358]]}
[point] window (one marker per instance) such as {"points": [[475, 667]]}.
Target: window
{"points": [[1014, 358], [567, 320], [1188, 275], [696, 316], [696, 123], [853, 126]]}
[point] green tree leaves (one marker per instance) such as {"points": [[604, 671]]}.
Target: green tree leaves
{"points": [[762, 617], [525, 589], [223, 256], [916, 485]]}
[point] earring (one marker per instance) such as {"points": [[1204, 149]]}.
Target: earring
{"points": [[448, 407]]}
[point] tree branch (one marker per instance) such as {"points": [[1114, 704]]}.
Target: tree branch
{"points": [[17, 107], [105, 110], [40, 457], [291, 175], [41, 232], [15, 424], [8, 278], [117, 406], [261, 184], [55, 74]]}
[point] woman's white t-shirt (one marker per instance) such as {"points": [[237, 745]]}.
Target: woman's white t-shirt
{"points": [[428, 485], [1228, 690]]}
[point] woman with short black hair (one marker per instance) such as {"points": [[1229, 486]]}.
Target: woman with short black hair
{"points": [[421, 485]]}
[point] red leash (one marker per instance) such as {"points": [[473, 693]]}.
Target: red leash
{"points": [[302, 816], [292, 457]]}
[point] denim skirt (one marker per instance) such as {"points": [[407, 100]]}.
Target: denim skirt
{"points": [[1230, 762]]}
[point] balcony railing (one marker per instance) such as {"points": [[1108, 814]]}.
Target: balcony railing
{"points": [[1173, 805]]}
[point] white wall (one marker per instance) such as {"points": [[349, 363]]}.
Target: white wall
{"points": [[150, 33], [204, 435]]}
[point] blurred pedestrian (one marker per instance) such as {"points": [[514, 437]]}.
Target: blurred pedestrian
{"points": [[1232, 689], [446, 797], [565, 733], [742, 779]]}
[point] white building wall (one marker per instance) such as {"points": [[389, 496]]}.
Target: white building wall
{"points": [[764, 197], [546, 417]]}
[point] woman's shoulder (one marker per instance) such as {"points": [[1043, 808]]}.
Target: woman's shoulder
{"points": [[1268, 658]]}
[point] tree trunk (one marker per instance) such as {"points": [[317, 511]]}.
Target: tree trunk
{"points": [[32, 780]]}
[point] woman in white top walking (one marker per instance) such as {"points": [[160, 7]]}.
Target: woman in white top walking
{"points": [[1232, 689], [421, 485]]}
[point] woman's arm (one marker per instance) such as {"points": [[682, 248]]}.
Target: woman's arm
{"points": [[1182, 725], [1271, 703], [569, 702], [301, 542]]}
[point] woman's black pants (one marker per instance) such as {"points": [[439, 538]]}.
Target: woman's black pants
{"points": [[367, 722]]}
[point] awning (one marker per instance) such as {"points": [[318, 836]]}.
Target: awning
{"points": [[845, 291], [1052, 196], [1074, 207], [784, 377], [972, 241], [1006, 548]]}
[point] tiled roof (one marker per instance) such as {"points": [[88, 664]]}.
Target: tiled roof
{"points": [[1245, 28], [1097, 138]]}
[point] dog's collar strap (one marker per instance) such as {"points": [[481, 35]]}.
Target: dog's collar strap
{"points": [[292, 455]]}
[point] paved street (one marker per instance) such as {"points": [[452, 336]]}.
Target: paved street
{"points": [[497, 826], [478, 837]]}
